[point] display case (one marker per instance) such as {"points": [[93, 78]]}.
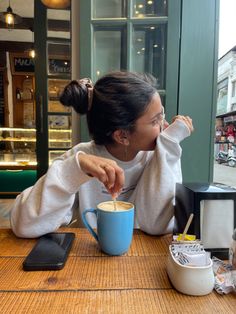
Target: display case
{"points": [[59, 117], [18, 146], [34, 127]]}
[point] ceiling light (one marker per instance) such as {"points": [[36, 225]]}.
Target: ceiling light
{"points": [[31, 52], [56, 4], [10, 18]]}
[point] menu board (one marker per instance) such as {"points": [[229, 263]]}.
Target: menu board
{"points": [[57, 66], [23, 64]]}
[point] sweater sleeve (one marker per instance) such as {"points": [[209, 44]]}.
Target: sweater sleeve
{"points": [[154, 195], [48, 204]]}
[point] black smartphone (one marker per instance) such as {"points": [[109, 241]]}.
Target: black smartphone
{"points": [[50, 252]]}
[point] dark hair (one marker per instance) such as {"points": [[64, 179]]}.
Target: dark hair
{"points": [[119, 99]]}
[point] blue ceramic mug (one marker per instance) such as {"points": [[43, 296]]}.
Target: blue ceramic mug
{"points": [[114, 227]]}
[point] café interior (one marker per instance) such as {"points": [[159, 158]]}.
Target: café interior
{"points": [[43, 46]]}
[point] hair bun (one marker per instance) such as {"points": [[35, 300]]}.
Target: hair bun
{"points": [[77, 94], [89, 84]]}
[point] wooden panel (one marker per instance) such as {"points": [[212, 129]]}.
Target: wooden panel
{"points": [[116, 301]]}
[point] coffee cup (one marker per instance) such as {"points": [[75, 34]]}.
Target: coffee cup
{"points": [[115, 224]]}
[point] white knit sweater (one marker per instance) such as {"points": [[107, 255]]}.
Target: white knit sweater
{"points": [[65, 191]]}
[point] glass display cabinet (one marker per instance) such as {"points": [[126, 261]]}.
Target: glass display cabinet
{"points": [[18, 146], [34, 127], [52, 74]]}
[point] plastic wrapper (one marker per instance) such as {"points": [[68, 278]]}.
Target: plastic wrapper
{"points": [[225, 277]]}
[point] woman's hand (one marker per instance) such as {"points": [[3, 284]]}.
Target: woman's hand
{"points": [[187, 120], [165, 124], [105, 170]]}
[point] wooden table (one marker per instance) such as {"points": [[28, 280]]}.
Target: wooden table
{"points": [[92, 282]]}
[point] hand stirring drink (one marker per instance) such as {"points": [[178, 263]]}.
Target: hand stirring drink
{"points": [[114, 203]]}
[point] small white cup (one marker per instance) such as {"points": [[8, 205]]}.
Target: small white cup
{"points": [[191, 280]]}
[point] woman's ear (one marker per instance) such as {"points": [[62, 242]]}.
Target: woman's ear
{"points": [[121, 137]]}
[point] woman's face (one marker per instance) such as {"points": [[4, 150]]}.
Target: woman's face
{"points": [[147, 127]]}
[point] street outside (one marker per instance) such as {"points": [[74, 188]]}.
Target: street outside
{"points": [[224, 174]]}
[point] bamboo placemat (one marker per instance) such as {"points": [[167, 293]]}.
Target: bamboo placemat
{"points": [[92, 282], [85, 245], [122, 302], [88, 273]]}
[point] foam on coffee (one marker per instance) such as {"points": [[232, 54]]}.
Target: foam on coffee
{"points": [[120, 206]]}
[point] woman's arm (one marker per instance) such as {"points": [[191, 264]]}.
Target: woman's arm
{"points": [[48, 204], [154, 195]]}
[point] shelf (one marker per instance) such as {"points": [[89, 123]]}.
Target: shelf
{"points": [[22, 139], [33, 140], [18, 165], [59, 113], [17, 129], [59, 141], [34, 130]]}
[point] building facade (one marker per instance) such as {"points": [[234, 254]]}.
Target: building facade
{"points": [[226, 102]]}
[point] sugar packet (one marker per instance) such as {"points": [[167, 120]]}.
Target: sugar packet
{"points": [[190, 253]]}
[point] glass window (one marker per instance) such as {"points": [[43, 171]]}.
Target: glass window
{"points": [[149, 8], [149, 51], [55, 87], [222, 97], [59, 58], [59, 131], [107, 53], [59, 116], [54, 154], [131, 44], [56, 106], [222, 100], [109, 8], [58, 23], [234, 89]]}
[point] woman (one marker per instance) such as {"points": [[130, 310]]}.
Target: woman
{"points": [[130, 157]]}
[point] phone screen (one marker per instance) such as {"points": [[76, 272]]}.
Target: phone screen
{"points": [[50, 252]]}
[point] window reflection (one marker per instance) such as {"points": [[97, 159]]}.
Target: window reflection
{"points": [[108, 51], [109, 8], [149, 51], [149, 8], [222, 97]]}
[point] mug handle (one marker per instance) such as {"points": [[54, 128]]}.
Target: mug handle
{"points": [[87, 225]]}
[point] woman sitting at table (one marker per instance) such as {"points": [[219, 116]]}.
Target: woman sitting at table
{"points": [[134, 156]]}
